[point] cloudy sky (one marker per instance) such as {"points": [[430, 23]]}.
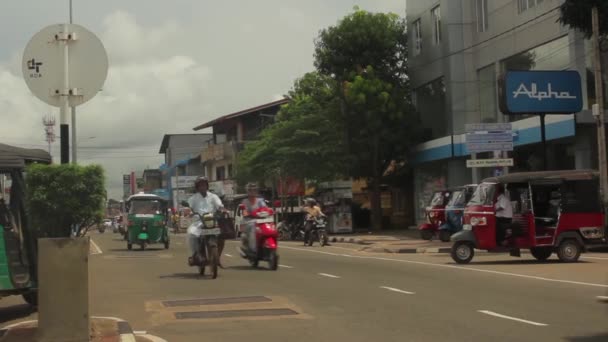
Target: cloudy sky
{"points": [[173, 65]]}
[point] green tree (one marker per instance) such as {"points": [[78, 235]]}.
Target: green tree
{"points": [[577, 14], [61, 197], [305, 141], [365, 53]]}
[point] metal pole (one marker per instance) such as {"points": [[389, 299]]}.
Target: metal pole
{"points": [[74, 143], [543, 138], [64, 94], [599, 96]]}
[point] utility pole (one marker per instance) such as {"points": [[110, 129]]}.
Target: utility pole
{"points": [[74, 143], [598, 110]]}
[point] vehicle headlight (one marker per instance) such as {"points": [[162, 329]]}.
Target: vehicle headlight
{"points": [[592, 232], [478, 221]]}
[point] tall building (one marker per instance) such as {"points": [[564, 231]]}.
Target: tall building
{"points": [[457, 52]]}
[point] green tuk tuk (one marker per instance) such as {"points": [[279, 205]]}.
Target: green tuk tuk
{"points": [[147, 221], [18, 253]]}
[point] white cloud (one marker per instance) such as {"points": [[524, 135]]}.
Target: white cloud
{"points": [[149, 92]]}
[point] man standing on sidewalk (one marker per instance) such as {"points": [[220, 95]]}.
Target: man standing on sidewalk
{"points": [[504, 216]]}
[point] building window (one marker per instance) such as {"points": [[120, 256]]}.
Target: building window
{"points": [[436, 14], [487, 94], [523, 5], [482, 15], [431, 104], [220, 173], [417, 37]]}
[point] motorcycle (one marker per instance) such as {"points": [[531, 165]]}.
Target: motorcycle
{"points": [[266, 239], [208, 254], [318, 231]]}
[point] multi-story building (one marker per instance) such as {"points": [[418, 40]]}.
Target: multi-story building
{"points": [[182, 166], [458, 51], [230, 132]]}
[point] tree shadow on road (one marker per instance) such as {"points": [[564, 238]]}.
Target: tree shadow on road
{"points": [[11, 313], [592, 338]]}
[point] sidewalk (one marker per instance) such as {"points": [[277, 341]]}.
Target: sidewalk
{"points": [[103, 329], [396, 241]]}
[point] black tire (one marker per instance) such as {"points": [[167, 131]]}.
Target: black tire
{"points": [[201, 270], [142, 246], [426, 234], [129, 246], [167, 244], [462, 252], [541, 253], [31, 298], [569, 250], [444, 235], [254, 263], [273, 260], [323, 239], [213, 260]]}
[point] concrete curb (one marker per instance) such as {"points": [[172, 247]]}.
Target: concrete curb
{"points": [[349, 240], [125, 331]]}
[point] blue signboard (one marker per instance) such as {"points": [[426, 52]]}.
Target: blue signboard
{"points": [[542, 92]]}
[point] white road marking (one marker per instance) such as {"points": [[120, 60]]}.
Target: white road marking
{"points": [[228, 255], [329, 275], [397, 290], [595, 258], [512, 318], [96, 248], [285, 266], [517, 275]]}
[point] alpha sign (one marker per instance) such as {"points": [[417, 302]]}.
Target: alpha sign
{"points": [[541, 92]]}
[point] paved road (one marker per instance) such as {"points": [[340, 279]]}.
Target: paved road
{"points": [[339, 294]]}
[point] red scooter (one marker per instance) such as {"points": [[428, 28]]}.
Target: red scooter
{"points": [[266, 237]]}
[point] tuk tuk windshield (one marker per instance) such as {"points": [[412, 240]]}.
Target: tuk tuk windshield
{"points": [[484, 195], [145, 207], [439, 198], [457, 199]]}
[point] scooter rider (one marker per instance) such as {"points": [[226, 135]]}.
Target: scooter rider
{"points": [[313, 211], [251, 204], [203, 202]]}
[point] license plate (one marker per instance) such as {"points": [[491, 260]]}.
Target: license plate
{"points": [[214, 231]]}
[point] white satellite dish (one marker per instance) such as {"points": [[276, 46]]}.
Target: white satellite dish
{"points": [[43, 64]]}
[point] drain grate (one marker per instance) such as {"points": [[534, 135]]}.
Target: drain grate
{"points": [[234, 313], [216, 301]]}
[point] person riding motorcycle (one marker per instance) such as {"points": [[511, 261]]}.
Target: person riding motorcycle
{"points": [[313, 211], [202, 202], [250, 204]]}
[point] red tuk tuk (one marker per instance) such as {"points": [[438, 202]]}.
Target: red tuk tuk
{"points": [[553, 211], [435, 214]]}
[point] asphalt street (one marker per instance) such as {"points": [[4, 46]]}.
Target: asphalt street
{"points": [[337, 293]]}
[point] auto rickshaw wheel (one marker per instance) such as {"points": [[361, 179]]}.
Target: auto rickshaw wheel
{"points": [[31, 298], [444, 235], [541, 253], [129, 246], [569, 250], [426, 234], [462, 252]]}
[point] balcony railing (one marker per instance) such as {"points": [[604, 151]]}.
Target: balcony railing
{"points": [[218, 152]]}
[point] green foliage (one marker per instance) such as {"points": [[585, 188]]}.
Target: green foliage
{"points": [[64, 196], [306, 140], [577, 13]]}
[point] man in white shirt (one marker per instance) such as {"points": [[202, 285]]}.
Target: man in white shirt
{"points": [[203, 202], [504, 215]]}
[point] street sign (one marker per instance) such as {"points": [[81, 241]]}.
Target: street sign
{"points": [[489, 137], [489, 162], [43, 64], [541, 92]]}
